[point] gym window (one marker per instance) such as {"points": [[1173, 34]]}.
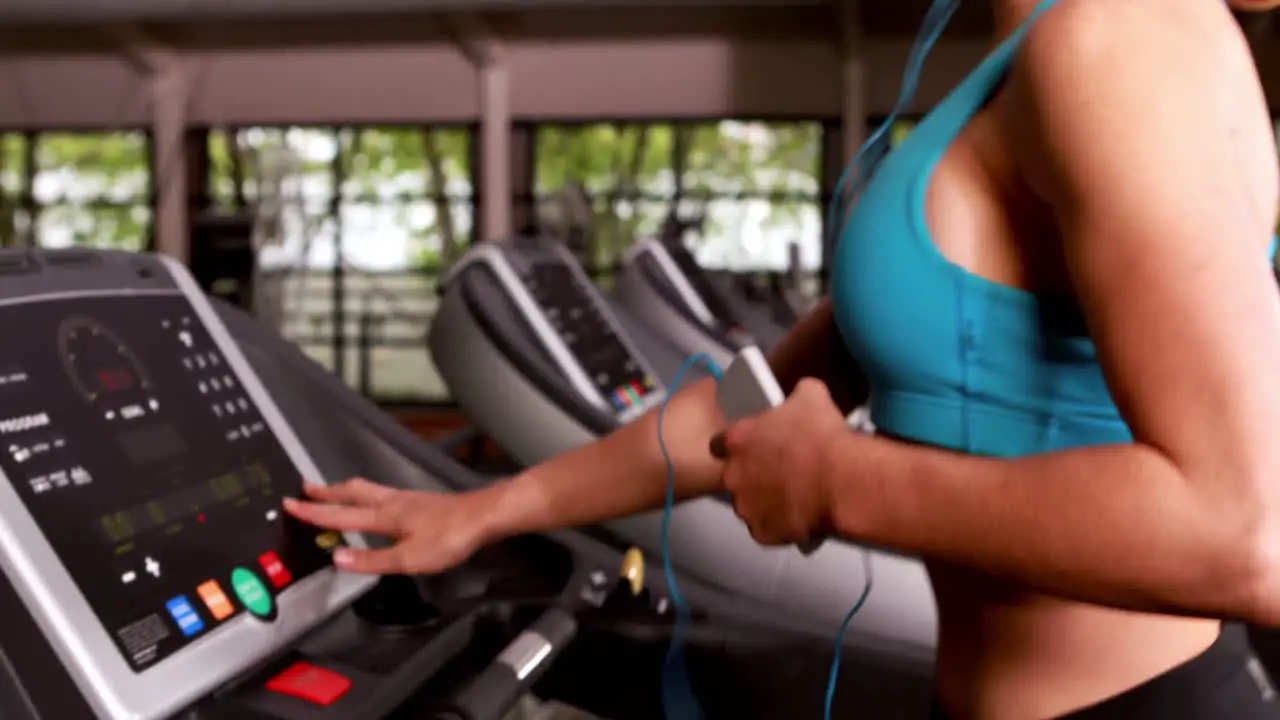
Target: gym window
{"points": [[59, 189], [356, 225], [750, 189]]}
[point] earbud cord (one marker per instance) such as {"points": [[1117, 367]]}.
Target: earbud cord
{"points": [[856, 175], [859, 170], [678, 699]]}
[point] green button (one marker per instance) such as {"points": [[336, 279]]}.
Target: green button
{"points": [[251, 591]]}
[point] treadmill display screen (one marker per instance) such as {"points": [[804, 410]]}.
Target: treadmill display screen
{"points": [[570, 309], [148, 468]]}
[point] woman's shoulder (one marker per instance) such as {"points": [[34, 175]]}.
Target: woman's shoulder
{"points": [[1137, 77], [1124, 34]]}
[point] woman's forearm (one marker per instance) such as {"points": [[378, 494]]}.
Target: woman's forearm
{"points": [[625, 473], [1115, 525]]}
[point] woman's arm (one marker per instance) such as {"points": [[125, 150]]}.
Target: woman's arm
{"points": [[625, 473], [1147, 147]]}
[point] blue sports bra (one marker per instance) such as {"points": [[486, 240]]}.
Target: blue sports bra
{"points": [[955, 360]]}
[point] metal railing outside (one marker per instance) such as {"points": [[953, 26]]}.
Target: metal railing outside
{"points": [[382, 335]]}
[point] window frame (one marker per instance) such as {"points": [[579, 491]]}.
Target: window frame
{"points": [[340, 340]]}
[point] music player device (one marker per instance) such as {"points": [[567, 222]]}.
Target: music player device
{"points": [[748, 388], [143, 468]]}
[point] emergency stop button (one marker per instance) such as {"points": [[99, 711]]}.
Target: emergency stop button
{"points": [[275, 569], [312, 683]]}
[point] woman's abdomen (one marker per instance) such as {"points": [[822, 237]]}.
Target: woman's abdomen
{"points": [[1006, 652]]}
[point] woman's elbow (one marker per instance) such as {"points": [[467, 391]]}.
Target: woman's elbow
{"points": [[1261, 601], [1253, 563]]}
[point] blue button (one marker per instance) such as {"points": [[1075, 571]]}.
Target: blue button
{"points": [[185, 615]]}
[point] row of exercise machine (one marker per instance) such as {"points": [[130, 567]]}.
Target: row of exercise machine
{"points": [[151, 432], [543, 361]]}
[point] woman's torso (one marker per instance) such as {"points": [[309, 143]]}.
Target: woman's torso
{"points": [[987, 353]]}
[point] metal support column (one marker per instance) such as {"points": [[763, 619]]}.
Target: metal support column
{"points": [[170, 91], [523, 193], [853, 74], [841, 144], [169, 85], [495, 147], [485, 51]]}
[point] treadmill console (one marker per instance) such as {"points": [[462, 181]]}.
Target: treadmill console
{"points": [[585, 340], [666, 267], [692, 273], [143, 469]]}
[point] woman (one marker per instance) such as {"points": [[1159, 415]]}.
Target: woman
{"points": [[1096, 201]]}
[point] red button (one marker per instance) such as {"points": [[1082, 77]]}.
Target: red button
{"points": [[311, 683], [277, 573]]}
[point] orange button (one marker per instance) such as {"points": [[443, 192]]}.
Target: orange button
{"points": [[216, 600]]}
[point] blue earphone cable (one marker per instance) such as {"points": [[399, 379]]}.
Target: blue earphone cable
{"points": [[679, 702], [860, 169], [678, 699], [833, 676], [852, 181]]}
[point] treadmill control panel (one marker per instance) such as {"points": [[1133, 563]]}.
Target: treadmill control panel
{"points": [[614, 370], [147, 467]]}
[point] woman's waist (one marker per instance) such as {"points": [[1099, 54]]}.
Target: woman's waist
{"points": [[1002, 645]]}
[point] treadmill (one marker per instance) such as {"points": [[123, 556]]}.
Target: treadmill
{"points": [[662, 284], [732, 643], [147, 571], [532, 351]]}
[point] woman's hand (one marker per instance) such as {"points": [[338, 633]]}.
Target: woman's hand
{"points": [[776, 466], [435, 532]]}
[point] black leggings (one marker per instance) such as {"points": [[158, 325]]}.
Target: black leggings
{"points": [[1225, 682]]}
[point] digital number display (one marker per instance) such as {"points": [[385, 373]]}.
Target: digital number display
{"points": [[115, 379], [172, 511]]}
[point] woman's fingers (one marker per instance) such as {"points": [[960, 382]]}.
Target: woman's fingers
{"points": [[352, 492], [383, 561], [346, 518], [719, 448]]}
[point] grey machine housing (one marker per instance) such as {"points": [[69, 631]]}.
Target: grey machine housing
{"points": [[662, 285], [659, 294], [51, 594], [518, 380]]}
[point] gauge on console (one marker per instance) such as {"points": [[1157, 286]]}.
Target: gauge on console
{"points": [[98, 362]]}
